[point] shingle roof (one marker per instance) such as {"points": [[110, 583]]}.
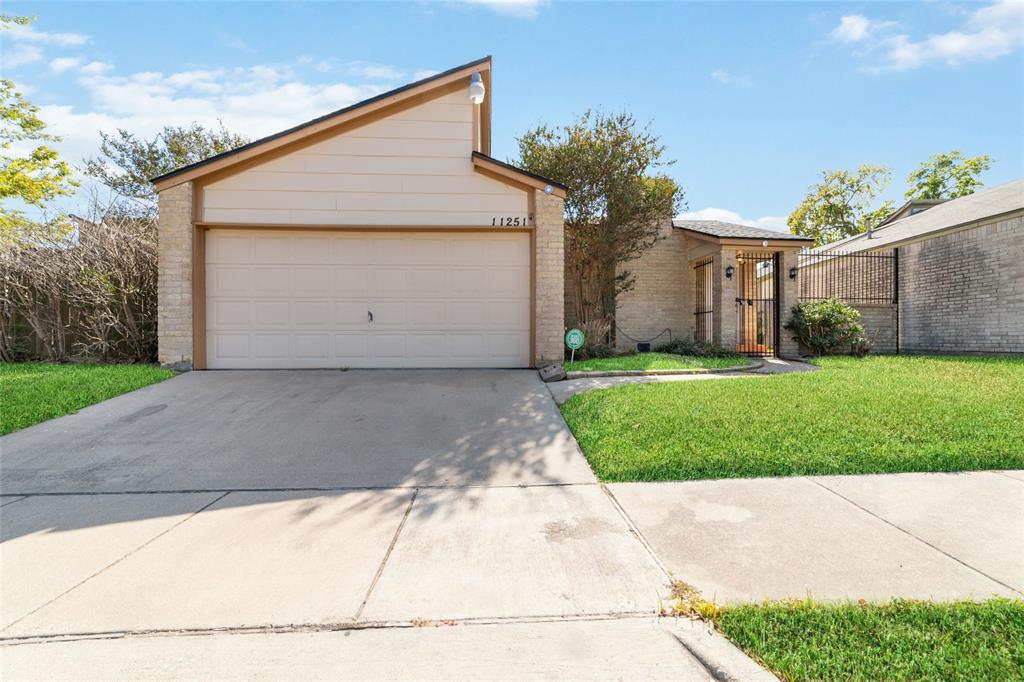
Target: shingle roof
{"points": [[716, 228], [972, 208]]}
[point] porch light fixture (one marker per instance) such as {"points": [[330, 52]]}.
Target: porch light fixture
{"points": [[793, 271], [476, 89], [728, 271]]}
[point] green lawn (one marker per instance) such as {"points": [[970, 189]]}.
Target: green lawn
{"points": [[652, 361], [904, 640], [871, 415], [32, 392]]}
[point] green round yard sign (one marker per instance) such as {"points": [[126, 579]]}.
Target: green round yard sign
{"points": [[574, 339]]}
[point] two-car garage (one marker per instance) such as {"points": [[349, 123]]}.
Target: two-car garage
{"points": [[298, 299]]}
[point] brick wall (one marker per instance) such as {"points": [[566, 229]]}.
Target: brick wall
{"points": [[174, 278], [663, 296], [964, 292], [549, 250]]}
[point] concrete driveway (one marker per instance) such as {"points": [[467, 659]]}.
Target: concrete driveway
{"points": [[303, 429], [351, 517]]}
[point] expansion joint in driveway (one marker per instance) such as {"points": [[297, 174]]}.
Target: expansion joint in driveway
{"points": [[387, 555], [918, 538]]}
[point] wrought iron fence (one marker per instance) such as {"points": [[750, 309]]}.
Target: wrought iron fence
{"points": [[704, 311], [862, 277]]}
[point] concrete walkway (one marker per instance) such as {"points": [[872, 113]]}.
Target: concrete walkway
{"points": [[563, 390], [925, 536]]}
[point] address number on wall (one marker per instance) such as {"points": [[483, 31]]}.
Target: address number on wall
{"points": [[511, 221]]}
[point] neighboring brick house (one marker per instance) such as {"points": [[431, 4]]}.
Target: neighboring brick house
{"points": [[379, 235], [960, 273]]}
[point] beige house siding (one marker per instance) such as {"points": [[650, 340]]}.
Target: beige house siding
{"points": [[174, 277], [964, 291], [662, 297], [411, 168]]}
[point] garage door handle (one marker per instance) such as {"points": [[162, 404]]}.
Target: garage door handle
{"points": [[369, 315]]}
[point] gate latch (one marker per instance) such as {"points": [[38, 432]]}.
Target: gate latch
{"points": [[369, 315]]}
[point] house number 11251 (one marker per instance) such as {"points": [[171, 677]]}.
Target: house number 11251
{"points": [[509, 221]]}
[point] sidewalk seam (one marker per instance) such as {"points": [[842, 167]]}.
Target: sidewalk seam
{"points": [[387, 555], [118, 560], [919, 539]]}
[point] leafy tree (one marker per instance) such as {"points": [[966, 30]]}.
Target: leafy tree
{"points": [[839, 205], [30, 172], [947, 176], [126, 163], [615, 207]]}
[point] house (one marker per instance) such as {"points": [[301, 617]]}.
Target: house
{"points": [[712, 281], [379, 235], [959, 277]]}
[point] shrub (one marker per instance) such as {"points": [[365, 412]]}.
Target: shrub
{"points": [[697, 348], [827, 326], [595, 352]]}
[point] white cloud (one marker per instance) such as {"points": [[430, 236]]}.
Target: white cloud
{"points": [[726, 78], [523, 9], [986, 33], [62, 64], [19, 55], [253, 101], [30, 34], [851, 29], [777, 223]]}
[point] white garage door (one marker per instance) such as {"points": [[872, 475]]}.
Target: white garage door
{"points": [[287, 299]]}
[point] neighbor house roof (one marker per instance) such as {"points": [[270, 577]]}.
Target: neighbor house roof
{"points": [[955, 214], [717, 230], [347, 115]]}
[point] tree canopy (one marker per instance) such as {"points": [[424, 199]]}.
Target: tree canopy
{"points": [[949, 175], [615, 207], [840, 205], [127, 163]]}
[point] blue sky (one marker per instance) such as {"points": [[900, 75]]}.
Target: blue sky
{"points": [[753, 100]]}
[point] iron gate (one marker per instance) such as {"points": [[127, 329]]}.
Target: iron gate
{"points": [[757, 304], [704, 315]]}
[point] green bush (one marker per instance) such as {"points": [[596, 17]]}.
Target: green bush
{"points": [[595, 352], [696, 348], [827, 326]]}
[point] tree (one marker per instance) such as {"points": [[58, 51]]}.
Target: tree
{"points": [[29, 172], [839, 205], [615, 207], [126, 163], [947, 176]]}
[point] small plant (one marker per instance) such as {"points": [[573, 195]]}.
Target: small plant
{"points": [[699, 349], [825, 326], [688, 602], [596, 352]]}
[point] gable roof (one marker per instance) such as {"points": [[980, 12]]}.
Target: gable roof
{"points": [[336, 118], [956, 213], [496, 167], [721, 230]]}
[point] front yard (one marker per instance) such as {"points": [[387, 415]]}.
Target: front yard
{"points": [[873, 415], [904, 640], [32, 392]]}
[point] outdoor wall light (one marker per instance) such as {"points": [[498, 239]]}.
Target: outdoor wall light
{"points": [[476, 89], [793, 272], [728, 271]]}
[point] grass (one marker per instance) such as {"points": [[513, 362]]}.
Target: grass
{"points": [[32, 392], [902, 640], [652, 361], [871, 415]]}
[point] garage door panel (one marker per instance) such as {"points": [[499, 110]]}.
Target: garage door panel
{"points": [[301, 299]]}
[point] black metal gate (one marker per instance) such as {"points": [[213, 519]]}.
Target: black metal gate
{"points": [[704, 315], [757, 304]]}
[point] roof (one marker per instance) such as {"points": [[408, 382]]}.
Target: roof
{"points": [[317, 124], [907, 208], [508, 169], [956, 213], [721, 230]]}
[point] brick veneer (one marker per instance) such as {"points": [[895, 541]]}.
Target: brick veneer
{"points": [[174, 277], [549, 270]]}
